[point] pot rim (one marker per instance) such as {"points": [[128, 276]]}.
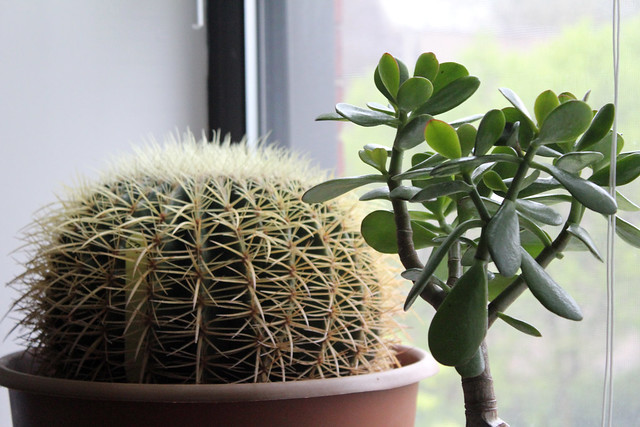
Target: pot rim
{"points": [[416, 364]]}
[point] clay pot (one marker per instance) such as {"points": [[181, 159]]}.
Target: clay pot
{"points": [[382, 399]]}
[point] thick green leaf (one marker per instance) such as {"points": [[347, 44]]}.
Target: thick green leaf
{"points": [[465, 120], [376, 157], [545, 151], [364, 117], [520, 325], [443, 138], [336, 187], [389, 73], [489, 130], [381, 108], [545, 103], [412, 133], [404, 192], [473, 367], [380, 86], [381, 193], [586, 192], [625, 204], [413, 93], [539, 212], [492, 180], [447, 73], [404, 71], [604, 147], [379, 231], [526, 130], [439, 189], [551, 199], [460, 323], [582, 235], [467, 136], [565, 123], [330, 117], [503, 238], [436, 257], [628, 232], [449, 97], [599, 128], [566, 96], [540, 185], [515, 100], [427, 66], [467, 164], [574, 162], [627, 170], [547, 291], [530, 179], [415, 174]]}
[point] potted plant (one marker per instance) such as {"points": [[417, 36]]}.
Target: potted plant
{"points": [[488, 200], [190, 283]]}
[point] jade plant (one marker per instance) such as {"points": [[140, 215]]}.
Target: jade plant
{"points": [[487, 194], [197, 262]]}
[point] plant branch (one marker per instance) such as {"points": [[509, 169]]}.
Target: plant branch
{"points": [[518, 286]]}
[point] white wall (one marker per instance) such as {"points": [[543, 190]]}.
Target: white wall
{"points": [[81, 80]]}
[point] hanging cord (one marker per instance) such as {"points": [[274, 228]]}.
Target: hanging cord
{"points": [[607, 398]]}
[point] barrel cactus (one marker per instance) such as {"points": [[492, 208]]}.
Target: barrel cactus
{"points": [[197, 262]]}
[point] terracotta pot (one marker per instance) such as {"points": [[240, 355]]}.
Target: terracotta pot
{"points": [[382, 399]]}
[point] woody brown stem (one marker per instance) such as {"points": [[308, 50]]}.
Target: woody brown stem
{"points": [[481, 408]]}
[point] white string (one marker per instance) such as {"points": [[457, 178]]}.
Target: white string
{"points": [[607, 398]]}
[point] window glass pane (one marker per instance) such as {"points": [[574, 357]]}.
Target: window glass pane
{"points": [[528, 47]]}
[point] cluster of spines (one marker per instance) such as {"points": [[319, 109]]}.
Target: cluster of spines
{"points": [[201, 278]]}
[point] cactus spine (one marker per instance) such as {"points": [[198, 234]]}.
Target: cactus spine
{"points": [[197, 262]]}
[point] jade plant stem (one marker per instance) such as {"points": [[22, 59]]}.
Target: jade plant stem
{"points": [[479, 395]]}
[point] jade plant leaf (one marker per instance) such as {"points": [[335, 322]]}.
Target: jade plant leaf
{"points": [[379, 231], [330, 117], [565, 123], [604, 147], [427, 66], [546, 102], [539, 212], [413, 93], [503, 238], [494, 181], [364, 117], [599, 128], [586, 192], [466, 120], [381, 108], [439, 189], [389, 72], [443, 138], [547, 291], [376, 157], [520, 325], [436, 257], [582, 235], [467, 164], [381, 193], [412, 133], [625, 204], [489, 130], [404, 192], [460, 323], [628, 232], [450, 96], [574, 162], [447, 73], [467, 136], [515, 100], [336, 187], [473, 367], [627, 170]]}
